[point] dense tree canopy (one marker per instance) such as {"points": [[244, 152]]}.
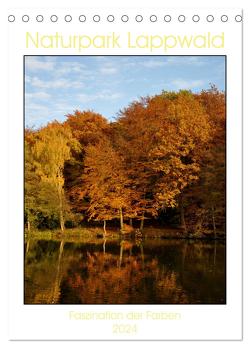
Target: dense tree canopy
{"points": [[164, 152]]}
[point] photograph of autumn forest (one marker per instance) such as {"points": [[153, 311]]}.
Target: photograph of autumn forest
{"points": [[124, 180]]}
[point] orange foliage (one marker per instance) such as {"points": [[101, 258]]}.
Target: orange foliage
{"points": [[158, 148]]}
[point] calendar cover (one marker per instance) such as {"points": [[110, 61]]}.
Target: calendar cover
{"points": [[126, 174]]}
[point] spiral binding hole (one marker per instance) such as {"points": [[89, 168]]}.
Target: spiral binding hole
{"points": [[125, 18]]}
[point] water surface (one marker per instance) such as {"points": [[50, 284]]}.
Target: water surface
{"points": [[125, 272]]}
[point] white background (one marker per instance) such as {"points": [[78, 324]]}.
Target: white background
{"points": [[235, 234]]}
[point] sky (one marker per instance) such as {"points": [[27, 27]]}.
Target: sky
{"points": [[58, 85]]}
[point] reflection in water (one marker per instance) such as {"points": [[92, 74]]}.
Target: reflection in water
{"points": [[135, 272], [56, 288]]}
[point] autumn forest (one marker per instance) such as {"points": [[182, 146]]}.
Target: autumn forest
{"points": [[160, 163]]}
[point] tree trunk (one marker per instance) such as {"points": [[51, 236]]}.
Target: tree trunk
{"points": [[131, 222], [182, 215], [104, 227], [214, 225], [60, 194], [121, 219], [62, 221], [142, 223]]}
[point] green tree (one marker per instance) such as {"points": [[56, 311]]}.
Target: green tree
{"points": [[53, 147], [31, 182]]}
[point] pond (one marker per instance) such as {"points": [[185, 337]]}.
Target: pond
{"points": [[125, 272]]}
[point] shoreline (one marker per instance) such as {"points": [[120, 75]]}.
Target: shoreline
{"points": [[96, 235]]}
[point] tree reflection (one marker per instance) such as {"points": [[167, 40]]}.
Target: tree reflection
{"points": [[103, 278], [131, 272], [43, 273]]}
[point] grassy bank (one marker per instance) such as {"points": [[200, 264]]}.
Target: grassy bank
{"points": [[96, 234]]}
